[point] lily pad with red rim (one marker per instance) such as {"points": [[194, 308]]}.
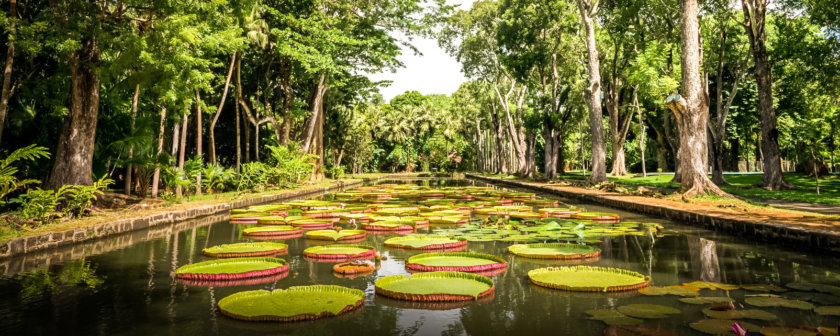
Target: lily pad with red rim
{"points": [[291, 304]]}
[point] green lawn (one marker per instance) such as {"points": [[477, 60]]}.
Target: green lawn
{"points": [[747, 185]]}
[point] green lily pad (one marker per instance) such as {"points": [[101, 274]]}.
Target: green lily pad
{"points": [[340, 251], [588, 278], [435, 286], [647, 311], [425, 242], [711, 285], [274, 230], [335, 235], [720, 327], [707, 300], [232, 268], [292, 304], [819, 298], [455, 261], [669, 290], [828, 310], [775, 301], [733, 314], [245, 250], [612, 317], [554, 251], [764, 288], [779, 331], [813, 287]]}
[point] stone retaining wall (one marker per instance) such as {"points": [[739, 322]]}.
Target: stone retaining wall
{"points": [[776, 233], [24, 245]]}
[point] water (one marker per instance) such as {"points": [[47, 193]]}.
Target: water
{"points": [[125, 285]]}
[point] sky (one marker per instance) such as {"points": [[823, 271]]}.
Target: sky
{"points": [[432, 72]]}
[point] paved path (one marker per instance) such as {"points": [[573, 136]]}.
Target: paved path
{"points": [[825, 209]]}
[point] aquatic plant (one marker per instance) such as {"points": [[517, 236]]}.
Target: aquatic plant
{"points": [[336, 235], [276, 231], [425, 242], [340, 252], [435, 286], [588, 278], [245, 250], [232, 269], [292, 304], [554, 251], [455, 261]]}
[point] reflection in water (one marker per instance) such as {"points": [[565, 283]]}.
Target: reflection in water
{"points": [[117, 288]]}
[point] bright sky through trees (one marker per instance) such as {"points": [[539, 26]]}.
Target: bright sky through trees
{"points": [[432, 72]]}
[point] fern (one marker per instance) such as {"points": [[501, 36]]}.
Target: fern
{"points": [[9, 183]]}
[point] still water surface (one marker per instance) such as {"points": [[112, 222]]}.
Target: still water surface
{"points": [[132, 290]]}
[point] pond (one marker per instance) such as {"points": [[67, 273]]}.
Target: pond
{"points": [[132, 289]]}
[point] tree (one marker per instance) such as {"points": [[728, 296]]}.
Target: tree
{"points": [[691, 109], [588, 8], [754, 24]]}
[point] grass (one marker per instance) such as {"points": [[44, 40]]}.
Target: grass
{"points": [[747, 185]]}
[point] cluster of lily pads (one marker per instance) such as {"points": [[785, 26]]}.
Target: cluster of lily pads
{"points": [[445, 272], [723, 311]]}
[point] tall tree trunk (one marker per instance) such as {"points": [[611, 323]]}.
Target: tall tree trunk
{"points": [[198, 138], [130, 168], [6, 92], [691, 110], [247, 138], [501, 168], [236, 105], [74, 155], [182, 150], [317, 100], [754, 20], [550, 166], [288, 102], [588, 8], [161, 135], [219, 110], [642, 135]]}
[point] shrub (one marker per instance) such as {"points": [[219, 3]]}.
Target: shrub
{"points": [[8, 181], [253, 175], [291, 166], [39, 204], [80, 197]]}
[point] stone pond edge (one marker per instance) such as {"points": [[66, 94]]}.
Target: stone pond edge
{"points": [[770, 232], [23, 245]]}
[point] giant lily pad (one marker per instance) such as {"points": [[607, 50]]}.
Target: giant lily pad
{"points": [[808, 286], [246, 250], [631, 330], [711, 285], [779, 331], [775, 301], [232, 269], [720, 327], [455, 261], [819, 298], [828, 310], [390, 225], [707, 300], [647, 311], [669, 290], [588, 278], [612, 317], [435, 286], [276, 231], [336, 235], [425, 242], [292, 304], [554, 251], [735, 314], [340, 252]]}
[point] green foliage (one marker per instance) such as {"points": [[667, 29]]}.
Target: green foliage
{"points": [[8, 181], [78, 198], [291, 166], [253, 176], [39, 205], [217, 178]]}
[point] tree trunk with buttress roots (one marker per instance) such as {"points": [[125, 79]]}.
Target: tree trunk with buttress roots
{"points": [[588, 8], [74, 155], [691, 110]]}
